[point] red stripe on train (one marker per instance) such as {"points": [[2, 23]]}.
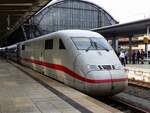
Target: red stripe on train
{"points": [[71, 73]]}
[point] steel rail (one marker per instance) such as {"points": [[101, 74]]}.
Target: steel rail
{"points": [[133, 108], [139, 83]]}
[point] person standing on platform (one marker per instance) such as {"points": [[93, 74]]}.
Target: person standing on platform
{"points": [[138, 56], [122, 58], [142, 56], [126, 57], [133, 57]]}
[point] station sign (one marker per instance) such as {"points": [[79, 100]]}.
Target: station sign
{"points": [[145, 39]]}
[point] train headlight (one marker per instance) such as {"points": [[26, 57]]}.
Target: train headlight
{"points": [[93, 68], [118, 66]]}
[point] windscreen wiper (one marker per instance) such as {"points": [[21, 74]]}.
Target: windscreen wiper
{"points": [[91, 44], [96, 46]]}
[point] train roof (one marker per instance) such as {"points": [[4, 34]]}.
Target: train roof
{"points": [[66, 34], [78, 33], [10, 46]]}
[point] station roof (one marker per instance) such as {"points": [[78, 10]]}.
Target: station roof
{"points": [[13, 13], [125, 29]]}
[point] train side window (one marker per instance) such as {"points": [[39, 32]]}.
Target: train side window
{"points": [[49, 44], [61, 44], [23, 47]]}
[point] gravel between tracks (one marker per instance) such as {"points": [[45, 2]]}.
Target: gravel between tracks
{"points": [[138, 92]]}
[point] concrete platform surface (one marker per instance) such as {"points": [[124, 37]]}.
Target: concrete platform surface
{"points": [[139, 66], [20, 93], [138, 72]]}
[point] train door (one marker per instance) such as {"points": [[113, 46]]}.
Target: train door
{"points": [[50, 57], [36, 53], [64, 61]]}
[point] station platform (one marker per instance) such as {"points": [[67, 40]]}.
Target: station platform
{"points": [[139, 72], [21, 93]]}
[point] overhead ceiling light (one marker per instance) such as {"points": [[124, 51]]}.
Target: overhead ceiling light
{"points": [[17, 4]]}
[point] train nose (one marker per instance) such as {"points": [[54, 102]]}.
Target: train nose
{"points": [[100, 84], [119, 81], [106, 83], [118, 86]]}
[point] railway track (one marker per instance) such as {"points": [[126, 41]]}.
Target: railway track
{"points": [[123, 105], [138, 89], [131, 108], [139, 83]]}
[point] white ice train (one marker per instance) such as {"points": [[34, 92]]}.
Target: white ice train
{"points": [[79, 58]]}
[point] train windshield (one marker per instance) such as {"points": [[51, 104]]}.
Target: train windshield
{"points": [[91, 44]]}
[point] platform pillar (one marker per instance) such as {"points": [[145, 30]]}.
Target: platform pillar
{"points": [[130, 49], [115, 43], [146, 46]]}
